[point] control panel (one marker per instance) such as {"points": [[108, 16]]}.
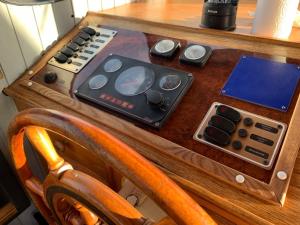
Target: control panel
{"points": [[248, 136], [82, 49], [141, 91]]}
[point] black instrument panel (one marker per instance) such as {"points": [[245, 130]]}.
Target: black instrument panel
{"points": [[145, 92]]}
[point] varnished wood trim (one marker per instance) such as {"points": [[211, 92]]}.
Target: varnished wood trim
{"points": [[287, 157]]}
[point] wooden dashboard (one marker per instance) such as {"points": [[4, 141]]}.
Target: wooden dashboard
{"points": [[208, 174]]}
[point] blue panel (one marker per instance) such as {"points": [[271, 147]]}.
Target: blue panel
{"points": [[263, 82]]}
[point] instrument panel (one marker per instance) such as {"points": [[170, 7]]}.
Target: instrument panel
{"points": [[141, 91]]}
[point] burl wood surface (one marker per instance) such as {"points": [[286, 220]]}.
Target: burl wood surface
{"points": [[204, 91]]}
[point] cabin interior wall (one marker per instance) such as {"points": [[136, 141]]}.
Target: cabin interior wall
{"points": [[26, 32]]}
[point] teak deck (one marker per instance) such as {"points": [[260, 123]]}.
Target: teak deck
{"points": [[210, 175]]}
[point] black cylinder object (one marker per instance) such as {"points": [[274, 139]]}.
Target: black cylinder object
{"points": [[219, 14]]}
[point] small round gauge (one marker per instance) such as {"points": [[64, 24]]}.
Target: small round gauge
{"points": [[170, 82], [194, 52], [134, 81], [164, 46], [98, 82], [112, 65]]}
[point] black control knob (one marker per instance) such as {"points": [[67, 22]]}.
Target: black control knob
{"points": [[248, 122], [243, 133], [155, 98], [50, 77], [237, 145]]}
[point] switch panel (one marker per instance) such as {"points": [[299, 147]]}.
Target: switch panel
{"points": [[79, 51], [248, 136]]}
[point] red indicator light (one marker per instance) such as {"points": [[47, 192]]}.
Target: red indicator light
{"points": [[130, 106], [115, 101]]}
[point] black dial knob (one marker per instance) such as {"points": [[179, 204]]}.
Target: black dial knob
{"points": [[155, 98], [237, 145], [50, 77]]}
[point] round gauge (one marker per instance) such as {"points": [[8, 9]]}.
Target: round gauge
{"points": [[98, 82], [112, 65], [169, 82], [134, 81], [164, 46], [194, 52]]}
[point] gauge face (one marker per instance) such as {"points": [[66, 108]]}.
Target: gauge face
{"points": [[164, 46], [97, 82], [134, 81], [195, 52], [170, 82], [112, 65]]}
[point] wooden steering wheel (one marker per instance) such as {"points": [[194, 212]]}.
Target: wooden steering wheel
{"points": [[68, 196]]}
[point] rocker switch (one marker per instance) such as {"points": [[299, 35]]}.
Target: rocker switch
{"points": [[216, 136], [229, 113], [222, 123]]}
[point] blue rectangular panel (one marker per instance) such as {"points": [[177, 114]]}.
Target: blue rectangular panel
{"points": [[263, 82]]}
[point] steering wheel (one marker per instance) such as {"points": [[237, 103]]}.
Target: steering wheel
{"points": [[68, 196]]}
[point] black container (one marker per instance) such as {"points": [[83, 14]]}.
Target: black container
{"points": [[219, 14]]}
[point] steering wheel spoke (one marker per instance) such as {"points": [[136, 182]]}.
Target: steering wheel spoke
{"points": [[40, 139]]}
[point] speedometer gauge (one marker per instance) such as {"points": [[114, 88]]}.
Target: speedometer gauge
{"points": [[134, 81]]}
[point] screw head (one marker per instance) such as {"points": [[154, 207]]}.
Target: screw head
{"points": [[30, 72], [223, 91], [282, 175], [157, 124], [132, 199], [283, 107], [76, 91], [29, 84], [240, 179]]}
